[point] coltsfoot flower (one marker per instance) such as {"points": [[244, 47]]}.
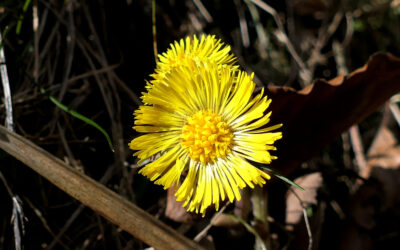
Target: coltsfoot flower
{"points": [[189, 51], [204, 127]]}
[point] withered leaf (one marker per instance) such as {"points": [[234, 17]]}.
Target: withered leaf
{"points": [[294, 210], [316, 115]]}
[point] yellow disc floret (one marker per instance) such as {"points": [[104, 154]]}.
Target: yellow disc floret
{"points": [[207, 137]]}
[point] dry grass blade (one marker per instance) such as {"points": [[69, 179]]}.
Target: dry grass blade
{"points": [[94, 195]]}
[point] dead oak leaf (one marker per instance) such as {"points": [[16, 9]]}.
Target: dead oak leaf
{"points": [[316, 115]]}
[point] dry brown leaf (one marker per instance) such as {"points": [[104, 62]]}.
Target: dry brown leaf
{"points": [[294, 211], [176, 212], [317, 115], [383, 141], [383, 151], [384, 164], [389, 159]]}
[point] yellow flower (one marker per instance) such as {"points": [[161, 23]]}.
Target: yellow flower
{"points": [[202, 124], [189, 51]]}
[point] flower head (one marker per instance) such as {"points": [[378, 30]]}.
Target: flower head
{"points": [[188, 51], [203, 125]]}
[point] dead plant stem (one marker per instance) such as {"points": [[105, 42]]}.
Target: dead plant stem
{"points": [[304, 71]]}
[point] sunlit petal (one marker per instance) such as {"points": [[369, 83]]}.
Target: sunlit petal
{"points": [[204, 124]]}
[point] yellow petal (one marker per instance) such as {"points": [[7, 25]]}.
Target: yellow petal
{"points": [[172, 175]]}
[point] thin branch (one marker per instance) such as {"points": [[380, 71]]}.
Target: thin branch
{"points": [[18, 222], [358, 149], [203, 232], [17, 217], [262, 37], [92, 73], [6, 185], [153, 19], [262, 245], [395, 111], [304, 71], [339, 58], [6, 89], [195, 22], [309, 232], [44, 222], [203, 11], [35, 23], [310, 240], [349, 29], [69, 53], [67, 149], [244, 31], [72, 218], [323, 37]]}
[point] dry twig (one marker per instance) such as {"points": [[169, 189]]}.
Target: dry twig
{"points": [[203, 232], [304, 71], [203, 11], [310, 237]]}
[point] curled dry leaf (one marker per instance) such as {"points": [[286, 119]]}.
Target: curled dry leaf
{"points": [[319, 113], [175, 210], [383, 141], [294, 209], [384, 166], [384, 152]]}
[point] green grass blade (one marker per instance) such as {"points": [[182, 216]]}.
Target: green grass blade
{"points": [[21, 17], [3, 36], [79, 116], [283, 178]]}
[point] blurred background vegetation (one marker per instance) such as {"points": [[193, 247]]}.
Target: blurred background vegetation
{"points": [[94, 57]]}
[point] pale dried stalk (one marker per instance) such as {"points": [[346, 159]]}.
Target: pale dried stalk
{"points": [[323, 37], [17, 212], [203, 11], [304, 71], [307, 222], [6, 89], [203, 232], [262, 36], [94, 195], [395, 112]]}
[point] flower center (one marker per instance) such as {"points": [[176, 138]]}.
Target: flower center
{"points": [[206, 137]]}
